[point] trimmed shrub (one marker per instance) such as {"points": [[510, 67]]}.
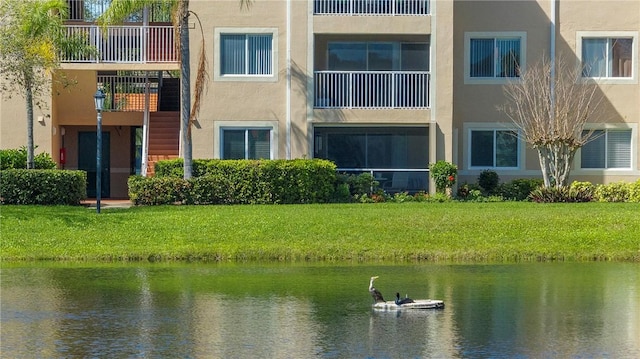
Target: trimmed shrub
{"points": [[488, 180], [341, 194], [43, 187], [358, 184], [17, 159], [296, 181], [612, 192], [518, 189], [157, 190], [238, 182], [175, 168], [634, 191], [210, 189]]}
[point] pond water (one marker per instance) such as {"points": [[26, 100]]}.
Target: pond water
{"points": [[537, 310]]}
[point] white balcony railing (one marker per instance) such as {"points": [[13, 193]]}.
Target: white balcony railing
{"points": [[123, 44], [127, 92], [371, 7], [91, 10], [371, 89]]}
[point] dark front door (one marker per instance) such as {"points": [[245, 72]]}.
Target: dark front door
{"points": [[87, 162]]}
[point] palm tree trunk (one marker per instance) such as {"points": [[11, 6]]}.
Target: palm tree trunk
{"points": [[185, 89]]}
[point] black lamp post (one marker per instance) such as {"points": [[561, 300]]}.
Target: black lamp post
{"points": [[99, 101]]}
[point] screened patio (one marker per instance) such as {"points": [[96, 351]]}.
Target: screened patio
{"points": [[397, 157]]}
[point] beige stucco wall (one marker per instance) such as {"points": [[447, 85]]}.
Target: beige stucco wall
{"points": [[13, 123], [75, 104], [250, 101], [231, 101], [443, 57], [455, 104], [477, 103], [622, 100], [393, 25]]}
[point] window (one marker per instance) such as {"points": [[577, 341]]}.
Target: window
{"points": [[246, 143], [607, 149], [607, 57], [246, 54], [494, 57], [494, 148], [378, 56]]}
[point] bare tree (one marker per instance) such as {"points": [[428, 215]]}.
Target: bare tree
{"points": [[550, 104]]}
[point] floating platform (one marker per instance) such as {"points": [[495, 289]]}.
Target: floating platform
{"points": [[416, 305]]}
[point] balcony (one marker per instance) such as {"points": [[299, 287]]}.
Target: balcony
{"points": [[90, 10], [372, 89], [371, 7], [126, 92], [123, 44]]}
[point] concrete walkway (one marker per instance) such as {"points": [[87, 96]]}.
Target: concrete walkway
{"points": [[107, 203]]}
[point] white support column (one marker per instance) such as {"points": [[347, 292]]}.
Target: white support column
{"points": [[552, 55], [147, 100], [311, 87], [145, 126], [288, 87], [433, 123]]}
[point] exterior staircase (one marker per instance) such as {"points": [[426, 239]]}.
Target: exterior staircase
{"points": [[164, 138]]}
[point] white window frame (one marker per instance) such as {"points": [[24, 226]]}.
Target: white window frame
{"points": [[580, 35], [220, 126], [468, 36], [471, 127], [609, 171], [217, 71]]}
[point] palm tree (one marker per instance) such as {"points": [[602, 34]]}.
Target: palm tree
{"points": [[32, 39], [119, 10]]}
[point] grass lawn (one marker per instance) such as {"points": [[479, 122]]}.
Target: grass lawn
{"points": [[506, 231]]}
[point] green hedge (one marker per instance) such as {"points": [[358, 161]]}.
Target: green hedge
{"points": [[587, 192], [530, 189], [157, 190], [17, 159], [175, 168], [49, 187], [518, 189], [618, 192], [237, 182]]}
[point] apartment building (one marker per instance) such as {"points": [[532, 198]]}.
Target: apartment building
{"points": [[378, 86]]}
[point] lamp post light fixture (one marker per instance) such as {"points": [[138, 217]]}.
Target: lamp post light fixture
{"points": [[99, 102]]}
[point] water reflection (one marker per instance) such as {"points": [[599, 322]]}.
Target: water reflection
{"points": [[299, 311]]}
